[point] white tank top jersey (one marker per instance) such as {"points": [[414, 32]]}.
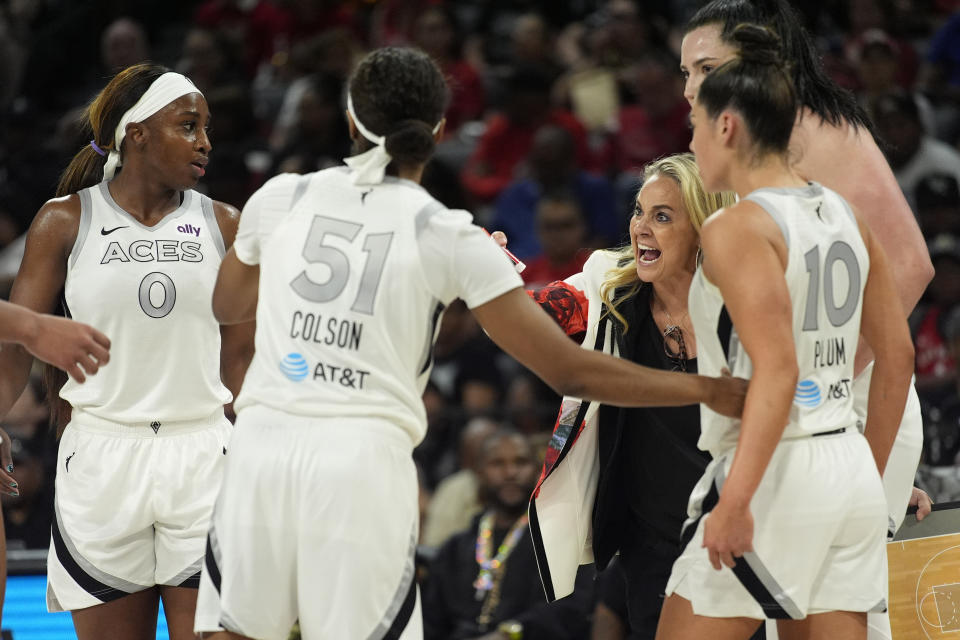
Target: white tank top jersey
{"points": [[353, 282], [826, 272], [149, 290]]}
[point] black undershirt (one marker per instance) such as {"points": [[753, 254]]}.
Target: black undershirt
{"points": [[660, 462]]}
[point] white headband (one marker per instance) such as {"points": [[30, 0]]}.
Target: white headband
{"points": [[370, 166], [162, 92]]}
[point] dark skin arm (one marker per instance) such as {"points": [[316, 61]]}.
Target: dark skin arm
{"points": [[521, 329], [38, 284], [236, 340]]}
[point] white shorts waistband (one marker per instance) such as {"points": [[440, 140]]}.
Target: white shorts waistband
{"points": [[85, 421]]}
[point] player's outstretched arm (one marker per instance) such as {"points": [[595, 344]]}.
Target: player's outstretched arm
{"points": [[235, 294], [74, 347], [889, 337], [521, 329]]}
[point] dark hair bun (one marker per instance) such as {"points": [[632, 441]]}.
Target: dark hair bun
{"points": [[758, 45], [410, 142]]}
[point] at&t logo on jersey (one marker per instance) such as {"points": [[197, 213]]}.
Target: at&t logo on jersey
{"points": [[294, 367], [808, 394]]}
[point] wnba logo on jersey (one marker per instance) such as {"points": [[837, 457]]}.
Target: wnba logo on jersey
{"points": [[294, 367], [808, 394]]}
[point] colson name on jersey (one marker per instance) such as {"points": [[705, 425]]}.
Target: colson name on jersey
{"points": [[154, 251], [332, 331]]}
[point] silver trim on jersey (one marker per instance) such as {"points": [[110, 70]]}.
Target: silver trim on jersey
{"points": [[301, 189], [176, 213], [422, 219], [210, 218], [86, 217], [810, 190], [772, 211]]}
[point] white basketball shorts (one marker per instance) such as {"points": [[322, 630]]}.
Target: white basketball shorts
{"points": [[820, 527], [132, 507], [901, 469], [317, 520]]}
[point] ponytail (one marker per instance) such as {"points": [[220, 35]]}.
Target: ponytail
{"points": [[101, 118], [410, 143]]}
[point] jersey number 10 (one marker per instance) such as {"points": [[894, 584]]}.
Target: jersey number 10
{"points": [[838, 315], [375, 245]]}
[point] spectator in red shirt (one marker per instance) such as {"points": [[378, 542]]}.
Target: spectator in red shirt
{"points": [[657, 124], [437, 33], [509, 134], [935, 364]]}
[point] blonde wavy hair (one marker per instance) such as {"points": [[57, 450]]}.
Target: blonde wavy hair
{"points": [[682, 169]]}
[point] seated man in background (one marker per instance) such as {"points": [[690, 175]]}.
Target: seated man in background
{"points": [[484, 581]]}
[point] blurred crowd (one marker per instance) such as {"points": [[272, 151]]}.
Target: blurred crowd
{"points": [[554, 109]]}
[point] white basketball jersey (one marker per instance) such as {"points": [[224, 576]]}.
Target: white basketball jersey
{"points": [[826, 272], [353, 281], [149, 290]]}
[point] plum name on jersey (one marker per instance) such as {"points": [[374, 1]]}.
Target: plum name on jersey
{"points": [[829, 352], [154, 251], [333, 332]]}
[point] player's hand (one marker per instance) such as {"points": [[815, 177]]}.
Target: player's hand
{"points": [[500, 237], [923, 503], [7, 483], [728, 395], [72, 346], [727, 534]]}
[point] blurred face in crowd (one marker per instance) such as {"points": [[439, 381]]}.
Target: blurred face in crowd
{"points": [[317, 114], [508, 474], [945, 286], [664, 240], [124, 43], [902, 133], [702, 51], [434, 34], [626, 31], [878, 68], [531, 41], [553, 156], [561, 229]]}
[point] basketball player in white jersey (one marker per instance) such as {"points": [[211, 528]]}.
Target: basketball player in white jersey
{"points": [[348, 271], [831, 144], [789, 521], [136, 252]]}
